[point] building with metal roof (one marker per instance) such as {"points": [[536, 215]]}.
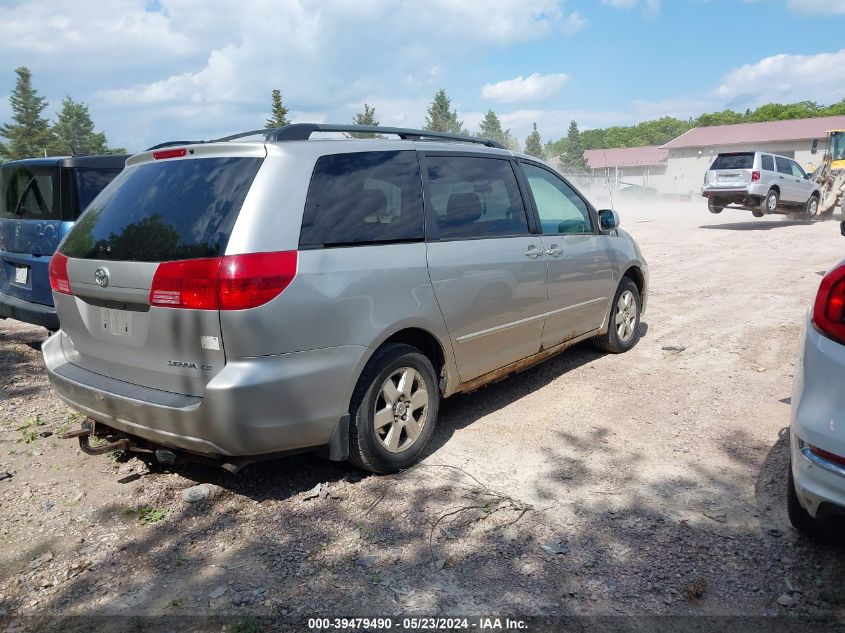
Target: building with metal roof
{"points": [[690, 155]]}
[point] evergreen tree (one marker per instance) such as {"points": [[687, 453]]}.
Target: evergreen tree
{"points": [[74, 131], [441, 117], [367, 117], [279, 116], [574, 155], [534, 144], [491, 128], [30, 133]]}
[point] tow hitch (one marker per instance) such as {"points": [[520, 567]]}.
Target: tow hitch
{"points": [[88, 431]]}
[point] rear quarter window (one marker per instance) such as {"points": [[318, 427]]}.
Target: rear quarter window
{"points": [[734, 161], [30, 193], [768, 162], [363, 198], [165, 211]]}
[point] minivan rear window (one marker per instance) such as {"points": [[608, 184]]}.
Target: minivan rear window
{"points": [[29, 192], [734, 161], [165, 211]]}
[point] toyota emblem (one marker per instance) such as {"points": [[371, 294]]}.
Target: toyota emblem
{"points": [[101, 276]]}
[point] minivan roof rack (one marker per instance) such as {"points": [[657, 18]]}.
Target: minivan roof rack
{"points": [[303, 131]]}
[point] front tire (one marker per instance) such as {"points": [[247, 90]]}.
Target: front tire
{"points": [[812, 209], [623, 326], [394, 410]]}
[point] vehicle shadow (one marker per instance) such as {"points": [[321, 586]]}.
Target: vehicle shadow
{"points": [[280, 478], [753, 226]]}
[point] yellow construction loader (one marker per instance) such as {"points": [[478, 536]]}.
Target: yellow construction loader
{"points": [[830, 175]]}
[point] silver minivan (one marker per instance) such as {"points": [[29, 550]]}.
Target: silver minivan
{"points": [[242, 299], [764, 183]]}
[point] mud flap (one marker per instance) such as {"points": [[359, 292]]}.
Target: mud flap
{"points": [[337, 450]]}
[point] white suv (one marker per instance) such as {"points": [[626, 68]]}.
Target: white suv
{"points": [[762, 183]]}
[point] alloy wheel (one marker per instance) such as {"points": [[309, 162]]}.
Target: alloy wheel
{"points": [[401, 409], [626, 316]]}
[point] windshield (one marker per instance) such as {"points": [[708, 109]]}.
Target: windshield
{"points": [[29, 192], [165, 211], [733, 161], [837, 146]]}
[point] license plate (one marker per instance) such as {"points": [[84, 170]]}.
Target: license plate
{"points": [[116, 322], [21, 274]]}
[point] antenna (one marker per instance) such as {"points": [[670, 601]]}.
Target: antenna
{"points": [[73, 149], [607, 177]]}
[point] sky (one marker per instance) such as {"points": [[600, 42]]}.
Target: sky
{"points": [[157, 70]]}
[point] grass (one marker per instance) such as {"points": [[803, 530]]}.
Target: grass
{"points": [[27, 429], [146, 514], [245, 625]]}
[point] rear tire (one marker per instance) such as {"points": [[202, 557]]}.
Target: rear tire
{"points": [[713, 207], [770, 203], [623, 325], [397, 381]]}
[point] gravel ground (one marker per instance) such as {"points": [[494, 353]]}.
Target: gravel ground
{"points": [[651, 483]]}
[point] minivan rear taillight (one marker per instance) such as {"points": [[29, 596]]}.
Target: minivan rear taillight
{"points": [[59, 280], [755, 176], [829, 309], [234, 282]]}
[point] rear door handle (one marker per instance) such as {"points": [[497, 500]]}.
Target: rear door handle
{"points": [[533, 252], [554, 251]]}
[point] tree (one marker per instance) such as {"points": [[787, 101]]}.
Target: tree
{"points": [[574, 155], [74, 131], [367, 117], [491, 128], [441, 117], [279, 117], [534, 144], [30, 134]]}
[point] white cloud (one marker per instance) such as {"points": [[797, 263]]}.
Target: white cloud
{"points": [[786, 78], [532, 88], [817, 7], [650, 6], [200, 67]]}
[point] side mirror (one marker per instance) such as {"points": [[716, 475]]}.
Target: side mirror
{"points": [[842, 228], [608, 219], [815, 149]]}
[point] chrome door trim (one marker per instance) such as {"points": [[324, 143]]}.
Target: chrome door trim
{"points": [[505, 326], [499, 328]]}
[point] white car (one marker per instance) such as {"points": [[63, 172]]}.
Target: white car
{"points": [[816, 489]]}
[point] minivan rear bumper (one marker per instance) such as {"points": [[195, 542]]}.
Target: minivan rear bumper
{"points": [[35, 313], [253, 406]]}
